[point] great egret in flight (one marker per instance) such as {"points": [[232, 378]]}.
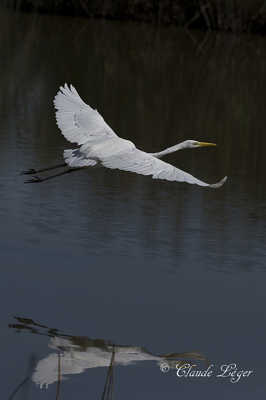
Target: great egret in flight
{"points": [[99, 145]]}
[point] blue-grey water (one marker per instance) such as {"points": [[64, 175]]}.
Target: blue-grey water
{"points": [[111, 255]]}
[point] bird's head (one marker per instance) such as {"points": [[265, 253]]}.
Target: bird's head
{"points": [[192, 144]]}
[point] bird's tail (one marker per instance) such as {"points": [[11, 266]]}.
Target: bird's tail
{"points": [[75, 158]]}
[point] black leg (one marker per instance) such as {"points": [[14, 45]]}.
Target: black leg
{"points": [[37, 179], [35, 171]]}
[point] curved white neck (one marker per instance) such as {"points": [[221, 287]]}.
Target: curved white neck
{"points": [[171, 149]]}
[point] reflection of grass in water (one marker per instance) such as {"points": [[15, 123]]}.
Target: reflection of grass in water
{"points": [[31, 366], [232, 15], [109, 383], [59, 377], [15, 391]]}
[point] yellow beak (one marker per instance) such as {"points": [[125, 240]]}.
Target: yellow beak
{"points": [[202, 144]]}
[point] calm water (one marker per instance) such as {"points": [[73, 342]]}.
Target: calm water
{"points": [[101, 254]]}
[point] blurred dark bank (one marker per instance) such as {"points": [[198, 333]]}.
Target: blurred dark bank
{"points": [[106, 254], [224, 15]]}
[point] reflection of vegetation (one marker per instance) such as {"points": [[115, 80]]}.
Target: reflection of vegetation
{"points": [[233, 15], [77, 353], [58, 377], [31, 365], [109, 383]]}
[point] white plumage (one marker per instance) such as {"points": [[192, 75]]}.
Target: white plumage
{"points": [[81, 124]]}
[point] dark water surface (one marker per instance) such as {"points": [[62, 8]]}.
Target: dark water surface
{"points": [[105, 254]]}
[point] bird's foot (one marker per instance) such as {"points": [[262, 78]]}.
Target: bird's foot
{"points": [[35, 179], [28, 171]]}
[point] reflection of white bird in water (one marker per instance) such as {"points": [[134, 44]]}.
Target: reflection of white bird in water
{"points": [[75, 354], [75, 358], [99, 145]]}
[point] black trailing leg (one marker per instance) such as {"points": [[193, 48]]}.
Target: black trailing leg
{"points": [[35, 171], [37, 179]]}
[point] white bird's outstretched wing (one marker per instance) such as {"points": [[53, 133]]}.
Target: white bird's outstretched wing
{"points": [[79, 122], [145, 164]]}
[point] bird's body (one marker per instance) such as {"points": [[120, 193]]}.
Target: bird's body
{"points": [[112, 146], [99, 144]]}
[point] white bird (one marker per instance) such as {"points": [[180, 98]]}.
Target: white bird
{"points": [[80, 353], [99, 145]]}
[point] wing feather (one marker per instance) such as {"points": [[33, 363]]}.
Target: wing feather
{"points": [[79, 123], [145, 164], [75, 158]]}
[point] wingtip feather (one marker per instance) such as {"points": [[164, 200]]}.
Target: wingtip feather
{"points": [[219, 184]]}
